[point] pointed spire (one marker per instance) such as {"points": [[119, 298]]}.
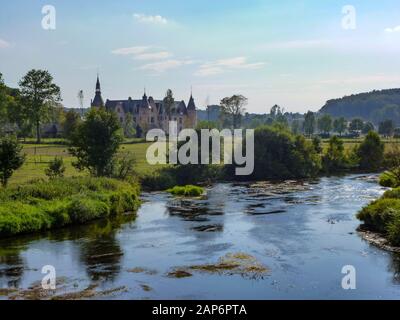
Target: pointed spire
{"points": [[191, 104]]}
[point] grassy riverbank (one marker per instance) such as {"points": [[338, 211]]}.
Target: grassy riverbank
{"points": [[43, 205], [383, 216]]}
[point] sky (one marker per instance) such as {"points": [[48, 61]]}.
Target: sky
{"points": [[294, 53]]}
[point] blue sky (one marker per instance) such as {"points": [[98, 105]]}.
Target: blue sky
{"points": [[292, 53]]}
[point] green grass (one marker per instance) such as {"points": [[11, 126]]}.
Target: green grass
{"points": [[383, 215], [43, 205], [38, 158], [186, 191]]}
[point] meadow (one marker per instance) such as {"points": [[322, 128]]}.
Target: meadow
{"points": [[38, 157]]}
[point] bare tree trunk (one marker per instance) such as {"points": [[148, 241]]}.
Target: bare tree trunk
{"points": [[38, 137]]}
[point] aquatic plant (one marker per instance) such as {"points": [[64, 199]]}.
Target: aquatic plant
{"points": [[186, 191]]}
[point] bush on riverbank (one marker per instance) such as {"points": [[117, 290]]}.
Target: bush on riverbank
{"points": [[383, 216], [43, 205], [186, 191]]}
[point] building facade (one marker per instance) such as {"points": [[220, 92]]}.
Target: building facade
{"points": [[148, 113]]}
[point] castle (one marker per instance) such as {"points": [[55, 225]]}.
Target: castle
{"points": [[148, 113]]}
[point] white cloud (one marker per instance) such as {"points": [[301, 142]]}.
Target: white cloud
{"points": [[130, 50], [394, 29], [153, 55], [162, 66], [4, 44], [143, 53], [223, 65], [142, 18]]}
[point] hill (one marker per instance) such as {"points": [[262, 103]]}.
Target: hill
{"points": [[374, 106]]}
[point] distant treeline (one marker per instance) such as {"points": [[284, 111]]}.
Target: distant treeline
{"points": [[375, 106]]}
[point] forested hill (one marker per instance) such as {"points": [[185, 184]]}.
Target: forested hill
{"points": [[375, 106]]}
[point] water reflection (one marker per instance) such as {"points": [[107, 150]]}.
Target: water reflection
{"points": [[303, 231]]}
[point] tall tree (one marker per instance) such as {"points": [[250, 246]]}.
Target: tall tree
{"points": [[309, 123], [356, 124], [96, 141], [386, 128], [169, 103], [235, 107], [325, 123], [340, 125], [370, 152], [39, 95], [71, 122], [11, 158]]}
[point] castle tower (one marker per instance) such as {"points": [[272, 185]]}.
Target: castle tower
{"points": [[192, 113], [97, 102]]}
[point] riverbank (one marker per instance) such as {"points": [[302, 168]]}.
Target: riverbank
{"points": [[301, 232], [44, 205]]}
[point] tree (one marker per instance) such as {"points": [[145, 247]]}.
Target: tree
{"points": [[276, 111], [56, 168], [340, 125], [325, 123], [296, 126], [334, 159], [3, 102], [281, 155], [96, 141], [309, 123], [368, 126], [370, 152], [169, 103], [71, 122], [386, 128], [39, 95], [235, 107], [129, 126], [356, 125], [317, 144], [11, 158]]}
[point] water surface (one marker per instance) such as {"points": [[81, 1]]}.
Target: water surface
{"points": [[303, 232]]}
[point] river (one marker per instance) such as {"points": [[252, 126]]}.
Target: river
{"points": [[301, 233]]}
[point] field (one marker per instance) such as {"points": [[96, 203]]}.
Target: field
{"points": [[39, 156]]}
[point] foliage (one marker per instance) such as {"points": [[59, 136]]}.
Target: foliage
{"points": [[281, 155], [383, 215], [325, 123], [186, 191], [56, 168], [71, 122], [389, 180], [169, 102], [39, 95], [43, 205], [340, 125], [334, 159], [309, 123], [386, 128], [234, 107], [370, 152], [95, 142], [11, 158], [372, 106], [368, 126], [317, 144], [356, 124]]}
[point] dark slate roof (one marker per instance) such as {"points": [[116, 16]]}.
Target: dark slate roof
{"points": [[191, 105], [132, 106]]}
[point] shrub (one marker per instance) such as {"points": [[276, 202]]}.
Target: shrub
{"points": [[56, 168], [186, 191], [10, 159], [389, 180], [370, 152]]}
